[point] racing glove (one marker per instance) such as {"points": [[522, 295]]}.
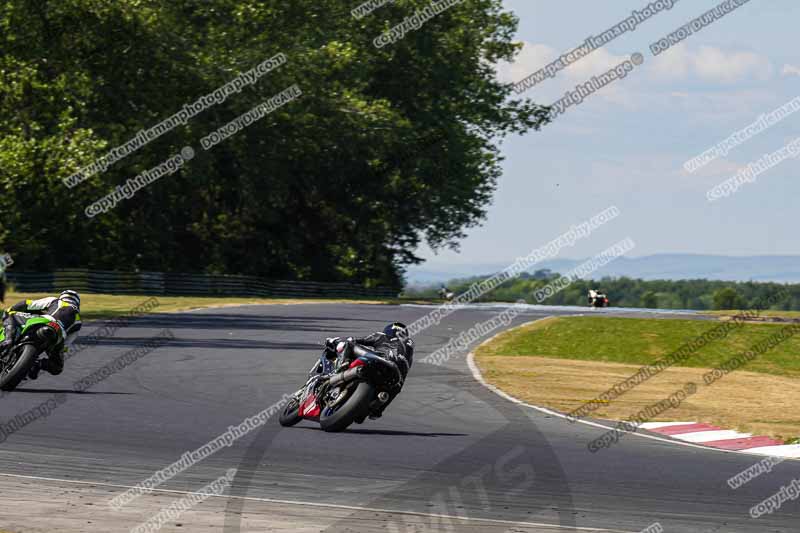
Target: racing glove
{"points": [[331, 342], [330, 347]]}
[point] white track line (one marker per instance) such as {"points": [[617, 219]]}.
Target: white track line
{"points": [[331, 506], [659, 425], [712, 435], [476, 373], [784, 450]]}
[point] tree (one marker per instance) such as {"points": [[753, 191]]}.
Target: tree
{"points": [[649, 300], [728, 298], [544, 273], [386, 148]]}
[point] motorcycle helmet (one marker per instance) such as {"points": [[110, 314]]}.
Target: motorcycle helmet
{"points": [[396, 330], [70, 297]]}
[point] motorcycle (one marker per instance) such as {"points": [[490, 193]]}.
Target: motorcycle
{"points": [[345, 391], [39, 334], [597, 299]]}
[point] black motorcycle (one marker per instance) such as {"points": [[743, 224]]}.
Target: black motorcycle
{"points": [[347, 390]]}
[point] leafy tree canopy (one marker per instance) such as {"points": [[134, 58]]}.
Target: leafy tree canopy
{"points": [[385, 149]]}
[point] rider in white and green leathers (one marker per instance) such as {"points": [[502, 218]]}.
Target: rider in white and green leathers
{"points": [[66, 309]]}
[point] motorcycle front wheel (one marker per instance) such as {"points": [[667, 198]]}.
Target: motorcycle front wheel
{"points": [[356, 407], [15, 365], [291, 413]]}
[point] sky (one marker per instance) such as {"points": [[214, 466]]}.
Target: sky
{"points": [[626, 144]]}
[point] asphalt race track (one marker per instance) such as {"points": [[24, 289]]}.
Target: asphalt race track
{"points": [[447, 446]]}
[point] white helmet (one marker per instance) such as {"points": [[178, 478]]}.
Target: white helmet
{"points": [[71, 297]]}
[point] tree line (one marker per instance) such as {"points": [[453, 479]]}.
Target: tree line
{"points": [[386, 149], [699, 294]]}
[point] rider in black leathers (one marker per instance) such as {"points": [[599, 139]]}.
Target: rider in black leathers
{"points": [[393, 344]]}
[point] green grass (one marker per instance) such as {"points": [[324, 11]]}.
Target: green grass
{"points": [[103, 306], [641, 341]]}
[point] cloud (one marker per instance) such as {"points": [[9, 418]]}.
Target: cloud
{"points": [[711, 65], [531, 58], [729, 108], [595, 63], [717, 169], [674, 64], [535, 56], [790, 70]]}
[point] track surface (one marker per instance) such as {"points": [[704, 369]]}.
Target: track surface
{"points": [[447, 445]]}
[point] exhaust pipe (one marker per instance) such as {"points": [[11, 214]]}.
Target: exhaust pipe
{"points": [[346, 376]]}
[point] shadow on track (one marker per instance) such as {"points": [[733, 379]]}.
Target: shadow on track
{"points": [[392, 432], [64, 391], [219, 343], [235, 322]]}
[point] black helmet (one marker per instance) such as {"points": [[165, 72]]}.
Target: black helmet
{"points": [[71, 297], [396, 330]]}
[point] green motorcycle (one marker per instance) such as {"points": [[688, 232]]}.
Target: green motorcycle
{"points": [[39, 334]]}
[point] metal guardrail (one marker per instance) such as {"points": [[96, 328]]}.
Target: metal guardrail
{"points": [[169, 284]]}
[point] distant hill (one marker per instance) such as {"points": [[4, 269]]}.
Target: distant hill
{"points": [[779, 268]]}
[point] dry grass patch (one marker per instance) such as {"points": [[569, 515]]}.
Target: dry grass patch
{"points": [[757, 403], [762, 315]]}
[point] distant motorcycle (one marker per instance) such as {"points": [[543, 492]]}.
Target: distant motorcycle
{"points": [[39, 334], [341, 392], [597, 299]]}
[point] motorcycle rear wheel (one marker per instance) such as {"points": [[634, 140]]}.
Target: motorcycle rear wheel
{"points": [[356, 407]]}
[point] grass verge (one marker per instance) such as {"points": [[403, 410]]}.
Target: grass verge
{"points": [[102, 306], [564, 362]]}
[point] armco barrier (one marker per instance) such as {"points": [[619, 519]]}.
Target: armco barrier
{"points": [[168, 284]]}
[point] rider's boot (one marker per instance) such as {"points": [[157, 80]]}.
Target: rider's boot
{"points": [[33, 373], [54, 364], [377, 412]]}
